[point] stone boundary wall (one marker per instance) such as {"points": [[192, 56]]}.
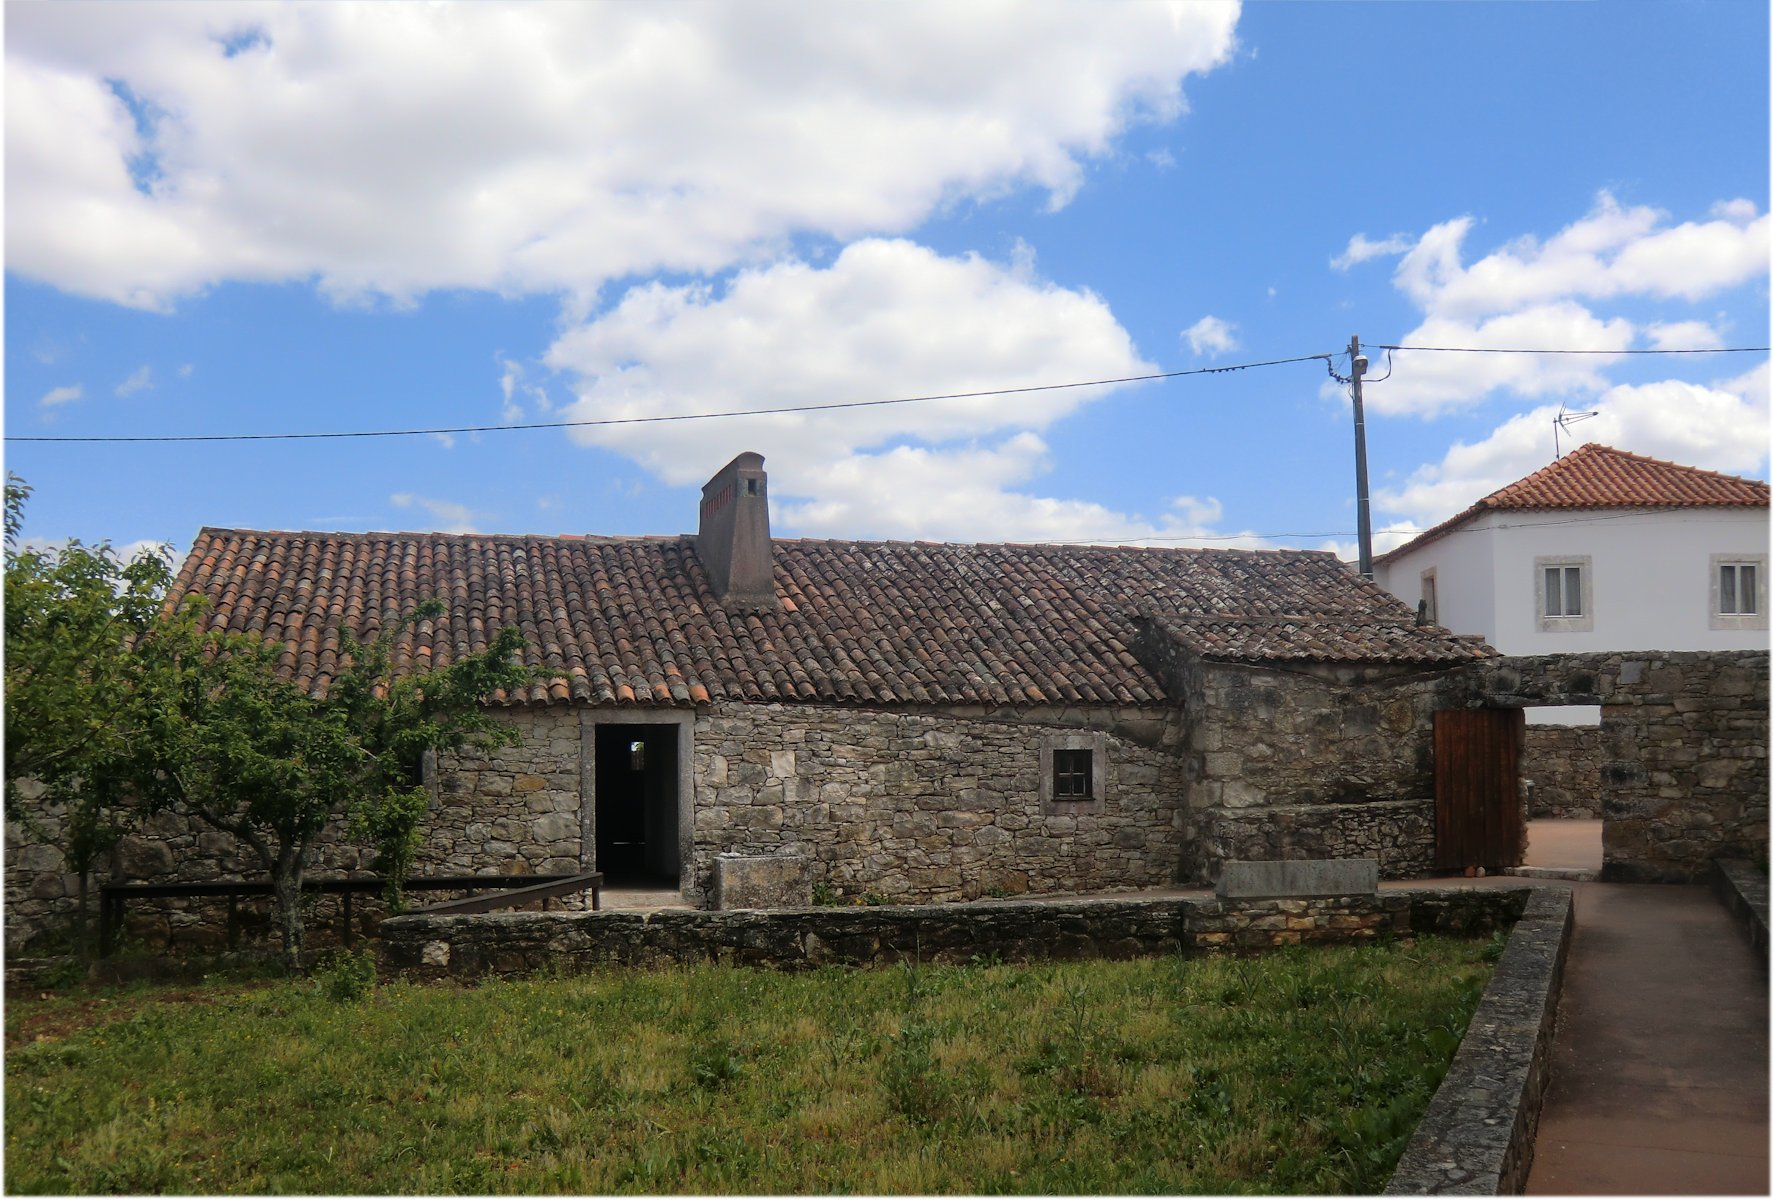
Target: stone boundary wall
{"points": [[508, 944], [1565, 763], [1685, 744], [1477, 1136], [1743, 889]]}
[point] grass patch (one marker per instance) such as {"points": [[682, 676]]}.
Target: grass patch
{"points": [[1304, 1071]]}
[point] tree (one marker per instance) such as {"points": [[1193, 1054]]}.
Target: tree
{"points": [[249, 753], [73, 616]]}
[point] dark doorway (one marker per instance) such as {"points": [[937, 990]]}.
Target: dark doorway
{"points": [[1480, 816], [637, 804]]}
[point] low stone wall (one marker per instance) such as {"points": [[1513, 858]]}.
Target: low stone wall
{"points": [[1398, 834], [1565, 763], [472, 947], [1742, 887], [1477, 1136]]}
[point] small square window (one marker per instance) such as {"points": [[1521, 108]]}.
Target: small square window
{"points": [[1071, 775], [1563, 594], [1737, 589]]}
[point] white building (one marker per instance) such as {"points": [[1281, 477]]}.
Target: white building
{"points": [[1602, 550]]}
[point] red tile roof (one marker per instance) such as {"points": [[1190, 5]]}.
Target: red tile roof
{"points": [[1598, 476], [632, 620]]}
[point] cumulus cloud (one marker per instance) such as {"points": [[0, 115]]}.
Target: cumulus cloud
{"points": [[1211, 336], [1612, 251], [448, 517], [1361, 248], [61, 395], [885, 319], [1531, 293], [140, 380], [153, 150], [1683, 335], [1723, 426]]}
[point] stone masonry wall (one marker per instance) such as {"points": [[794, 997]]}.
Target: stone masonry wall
{"points": [[1565, 763], [472, 947], [937, 805], [1307, 761], [516, 813], [1685, 736]]}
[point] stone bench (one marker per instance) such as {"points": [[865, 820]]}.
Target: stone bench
{"points": [[1298, 878]]}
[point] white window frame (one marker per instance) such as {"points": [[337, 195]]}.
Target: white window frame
{"points": [[1427, 591], [1738, 620], [1579, 622]]}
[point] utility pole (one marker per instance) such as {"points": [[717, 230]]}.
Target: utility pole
{"points": [[1364, 524]]}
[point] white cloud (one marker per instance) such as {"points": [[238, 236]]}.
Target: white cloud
{"points": [[1361, 248], [1721, 427], [885, 319], [389, 149], [1427, 383], [1612, 251], [1683, 335], [186, 371], [61, 395], [140, 380], [449, 517], [1211, 336]]}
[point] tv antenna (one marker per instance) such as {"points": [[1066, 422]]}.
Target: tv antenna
{"points": [[1564, 421]]}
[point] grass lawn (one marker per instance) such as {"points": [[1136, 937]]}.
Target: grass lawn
{"points": [[1303, 1071]]}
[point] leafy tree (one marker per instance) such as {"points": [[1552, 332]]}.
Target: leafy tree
{"points": [[251, 754], [73, 614]]}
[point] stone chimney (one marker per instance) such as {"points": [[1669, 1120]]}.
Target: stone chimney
{"points": [[733, 535]]}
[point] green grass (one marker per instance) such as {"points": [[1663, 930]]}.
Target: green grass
{"points": [[1303, 1071]]}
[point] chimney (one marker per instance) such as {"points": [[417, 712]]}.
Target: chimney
{"points": [[733, 535]]}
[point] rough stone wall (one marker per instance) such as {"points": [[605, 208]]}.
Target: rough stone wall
{"points": [[516, 813], [937, 804], [1565, 763], [1398, 834], [1685, 737], [1307, 761], [471, 947]]}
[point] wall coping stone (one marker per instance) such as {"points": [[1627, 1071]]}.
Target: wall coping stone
{"points": [[1743, 888], [1477, 1136], [1298, 877]]}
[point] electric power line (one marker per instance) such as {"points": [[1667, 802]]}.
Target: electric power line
{"points": [[752, 412], [1497, 350]]}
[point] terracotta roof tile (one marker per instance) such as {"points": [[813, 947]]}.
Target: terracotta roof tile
{"points": [[1598, 476], [632, 621]]}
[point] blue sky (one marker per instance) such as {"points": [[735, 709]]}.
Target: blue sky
{"points": [[318, 218]]}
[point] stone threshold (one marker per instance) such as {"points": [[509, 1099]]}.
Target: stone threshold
{"points": [[1477, 1136], [1569, 874]]}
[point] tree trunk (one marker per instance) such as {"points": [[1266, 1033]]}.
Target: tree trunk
{"points": [[286, 891], [80, 919]]}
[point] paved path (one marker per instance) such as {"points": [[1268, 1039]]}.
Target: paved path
{"points": [[1660, 1063]]}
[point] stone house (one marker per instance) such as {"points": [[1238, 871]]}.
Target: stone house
{"points": [[920, 721]]}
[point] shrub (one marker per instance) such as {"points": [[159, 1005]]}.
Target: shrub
{"points": [[347, 977]]}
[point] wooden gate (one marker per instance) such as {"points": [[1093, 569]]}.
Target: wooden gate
{"points": [[1479, 820]]}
